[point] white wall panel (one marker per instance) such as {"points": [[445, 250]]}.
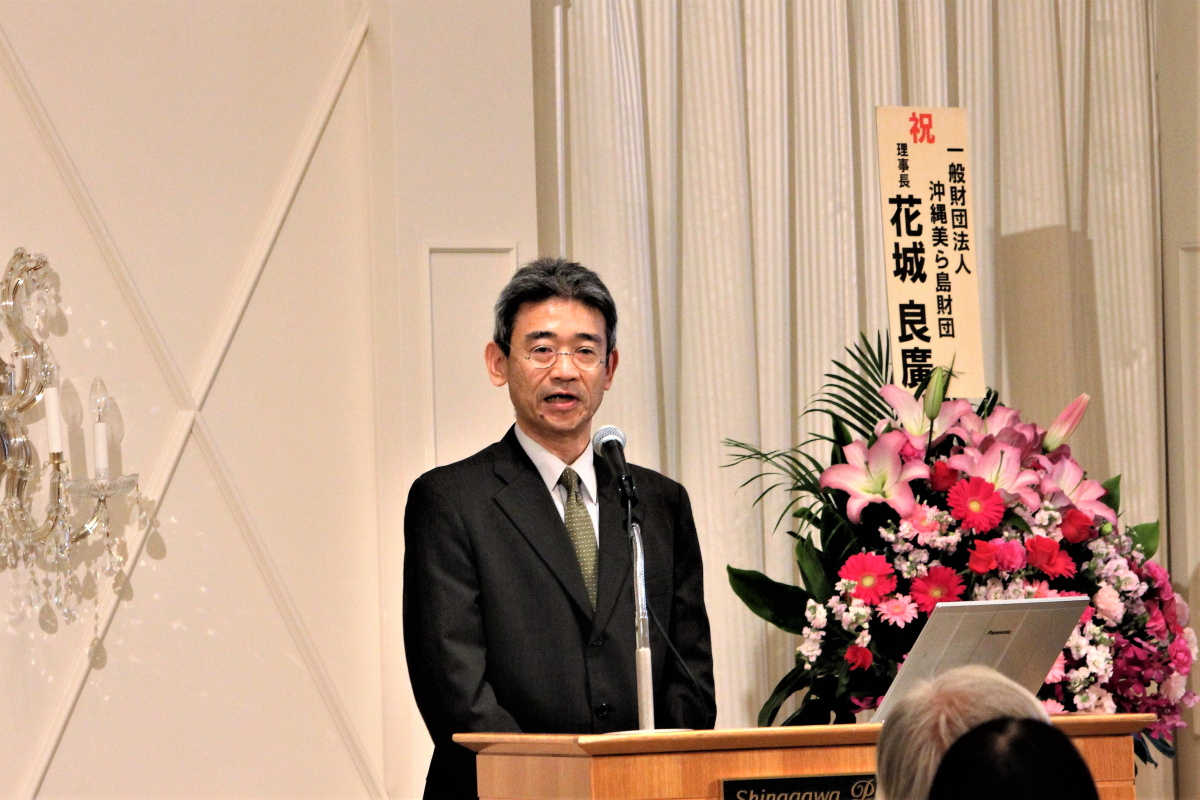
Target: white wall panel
{"points": [[291, 414], [464, 285], [153, 100], [200, 645]]}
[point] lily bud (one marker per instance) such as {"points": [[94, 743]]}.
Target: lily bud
{"points": [[935, 392], [1066, 423]]}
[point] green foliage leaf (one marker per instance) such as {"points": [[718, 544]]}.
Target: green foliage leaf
{"points": [[841, 438], [1161, 745], [852, 393], [1145, 537], [780, 604], [1012, 518], [812, 571], [791, 683], [988, 404], [1112, 496], [1141, 750]]}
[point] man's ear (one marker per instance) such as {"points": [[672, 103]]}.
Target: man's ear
{"points": [[610, 366], [497, 364]]}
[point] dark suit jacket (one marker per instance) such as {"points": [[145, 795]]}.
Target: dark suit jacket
{"points": [[498, 631]]}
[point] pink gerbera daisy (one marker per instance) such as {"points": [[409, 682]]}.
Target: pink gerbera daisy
{"points": [[1058, 671], [1053, 707], [873, 574], [899, 610]]}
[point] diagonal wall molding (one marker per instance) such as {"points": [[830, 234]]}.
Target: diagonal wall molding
{"points": [[188, 420], [95, 223], [280, 206], [291, 615]]}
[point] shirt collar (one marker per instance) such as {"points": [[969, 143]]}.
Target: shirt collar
{"points": [[551, 467]]}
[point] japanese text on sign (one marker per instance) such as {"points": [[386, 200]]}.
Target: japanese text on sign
{"points": [[928, 233]]}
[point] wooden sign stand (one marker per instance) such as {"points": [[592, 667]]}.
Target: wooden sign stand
{"points": [[691, 764]]}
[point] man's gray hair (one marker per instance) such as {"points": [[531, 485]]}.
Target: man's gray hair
{"points": [[549, 278], [927, 720]]}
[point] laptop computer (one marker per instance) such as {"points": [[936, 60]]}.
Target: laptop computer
{"points": [[1020, 639]]}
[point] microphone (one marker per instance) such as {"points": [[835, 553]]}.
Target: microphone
{"points": [[609, 444]]}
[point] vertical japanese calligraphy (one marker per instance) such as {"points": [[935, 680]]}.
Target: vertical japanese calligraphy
{"points": [[928, 236]]}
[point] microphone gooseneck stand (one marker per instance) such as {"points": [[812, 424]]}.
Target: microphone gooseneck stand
{"points": [[645, 679], [609, 444]]}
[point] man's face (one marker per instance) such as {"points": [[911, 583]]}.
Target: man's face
{"points": [[554, 405]]}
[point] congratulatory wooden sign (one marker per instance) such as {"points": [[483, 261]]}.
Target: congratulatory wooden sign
{"points": [[929, 240]]}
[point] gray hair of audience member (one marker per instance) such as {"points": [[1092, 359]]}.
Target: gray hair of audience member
{"points": [[927, 720], [549, 278]]}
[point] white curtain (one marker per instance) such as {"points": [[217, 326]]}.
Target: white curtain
{"points": [[721, 177]]}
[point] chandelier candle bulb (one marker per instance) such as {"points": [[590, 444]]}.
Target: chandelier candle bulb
{"points": [[100, 440], [53, 420], [99, 396]]}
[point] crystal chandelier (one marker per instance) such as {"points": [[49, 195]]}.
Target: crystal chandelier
{"points": [[54, 561]]}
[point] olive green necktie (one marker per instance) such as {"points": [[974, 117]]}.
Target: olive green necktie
{"points": [[583, 535]]}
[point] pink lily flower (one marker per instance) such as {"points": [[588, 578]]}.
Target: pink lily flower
{"points": [[1065, 485], [876, 475], [1066, 423], [1026, 437], [1001, 467], [975, 431], [910, 416]]}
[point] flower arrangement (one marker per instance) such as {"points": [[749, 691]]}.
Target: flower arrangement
{"points": [[927, 499]]}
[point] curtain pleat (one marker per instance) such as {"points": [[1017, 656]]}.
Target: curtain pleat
{"points": [[723, 180]]}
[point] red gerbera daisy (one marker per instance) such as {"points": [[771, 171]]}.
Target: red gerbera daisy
{"points": [[976, 503], [940, 585], [873, 574], [858, 657]]}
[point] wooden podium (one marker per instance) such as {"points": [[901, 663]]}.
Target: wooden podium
{"points": [[691, 764]]}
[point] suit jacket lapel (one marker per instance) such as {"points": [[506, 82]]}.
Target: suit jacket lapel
{"points": [[615, 563], [530, 508]]}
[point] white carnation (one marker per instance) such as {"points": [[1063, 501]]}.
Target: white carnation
{"points": [[1174, 687]]}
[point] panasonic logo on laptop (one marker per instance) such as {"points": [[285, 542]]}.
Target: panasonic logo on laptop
{"points": [[998, 633]]}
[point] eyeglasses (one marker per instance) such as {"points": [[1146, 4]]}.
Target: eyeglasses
{"points": [[544, 357]]}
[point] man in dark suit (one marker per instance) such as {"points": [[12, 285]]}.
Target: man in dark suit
{"points": [[518, 600]]}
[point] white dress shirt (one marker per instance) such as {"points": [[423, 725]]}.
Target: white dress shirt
{"points": [[551, 467]]}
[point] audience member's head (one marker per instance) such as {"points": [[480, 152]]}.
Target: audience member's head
{"points": [[927, 720], [1009, 758]]}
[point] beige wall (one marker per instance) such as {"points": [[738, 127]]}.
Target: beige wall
{"points": [[1178, 85], [259, 211], [279, 227]]}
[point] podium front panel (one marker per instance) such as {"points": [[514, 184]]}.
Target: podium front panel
{"points": [[691, 765]]}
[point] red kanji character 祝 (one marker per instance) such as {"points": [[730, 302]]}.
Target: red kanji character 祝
{"points": [[922, 127]]}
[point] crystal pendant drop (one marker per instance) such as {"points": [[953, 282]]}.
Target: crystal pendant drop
{"points": [[97, 655]]}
